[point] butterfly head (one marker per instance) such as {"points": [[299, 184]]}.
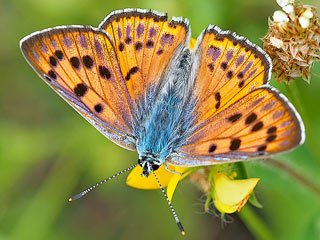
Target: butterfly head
{"points": [[148, 164]]}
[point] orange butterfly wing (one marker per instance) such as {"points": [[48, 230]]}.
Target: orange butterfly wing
{"points": [[259, 124], [236, 116], [227, 68], [146, 43], [113, 79], [81, 65]]}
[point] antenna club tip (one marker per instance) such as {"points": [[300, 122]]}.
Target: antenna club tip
{"points": [[70, 200], [181, 228]]}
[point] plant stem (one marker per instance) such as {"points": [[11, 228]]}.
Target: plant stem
{"points": [[254, 223], [294, 174]]}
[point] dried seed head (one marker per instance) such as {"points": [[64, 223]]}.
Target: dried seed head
{"points": [[293, 40], [276, 42]]}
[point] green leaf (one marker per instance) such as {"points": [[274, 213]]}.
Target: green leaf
{"points": [[254, 201]]}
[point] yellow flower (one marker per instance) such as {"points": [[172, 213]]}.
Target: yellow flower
{"points": [[230, 195], [167, 179]]}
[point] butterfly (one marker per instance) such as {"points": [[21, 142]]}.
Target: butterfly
{"points": [[136, 80]]}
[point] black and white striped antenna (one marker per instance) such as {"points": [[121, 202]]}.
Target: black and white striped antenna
{"points": [[171, 207], [75, 197]]}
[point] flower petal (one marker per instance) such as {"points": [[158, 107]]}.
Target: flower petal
{"points": [[231, 195], [224, 208], [135, 179], [281, 17], [172, 185], [304, 22], [173, 182], [276, 42], [230, 191]]}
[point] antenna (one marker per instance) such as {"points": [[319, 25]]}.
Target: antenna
{"points": [[75, 197], [171, 207]]}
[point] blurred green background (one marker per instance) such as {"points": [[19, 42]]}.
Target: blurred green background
{"points": [[49, 152]]}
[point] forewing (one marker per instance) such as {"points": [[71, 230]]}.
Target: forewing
{"points": [[81, 65], [226, 68], [146, 44], [260, 124]]}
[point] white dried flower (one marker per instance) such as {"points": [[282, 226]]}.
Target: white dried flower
{"points": [[307, 13], [283, 3], [280, 17], [288, 9], [304, 22], [276, 42], [294, 45]]}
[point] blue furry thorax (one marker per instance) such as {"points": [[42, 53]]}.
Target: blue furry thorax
{"points": [[164, 127]]}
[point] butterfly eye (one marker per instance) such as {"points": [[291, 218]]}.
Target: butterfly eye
{"points": [[155, 167]]}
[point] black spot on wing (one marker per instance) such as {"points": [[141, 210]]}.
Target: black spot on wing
{"points": [[212, 148], [121, 47], [53, 61], [87, 61], [80, 90], [262, 148], [128, 40], [132, 71], [240, 75], [271, 138], [235, 117], [218, 105], [211, 67], [104, 72], [257, 126], [235, 144], [138, 46], [224, 66], [149, 44], [75, 62], [52, 74], [98, 108], [272, 130], [59, 54], [218, 97], [251, 118], [160, 51], [229, 74]]}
